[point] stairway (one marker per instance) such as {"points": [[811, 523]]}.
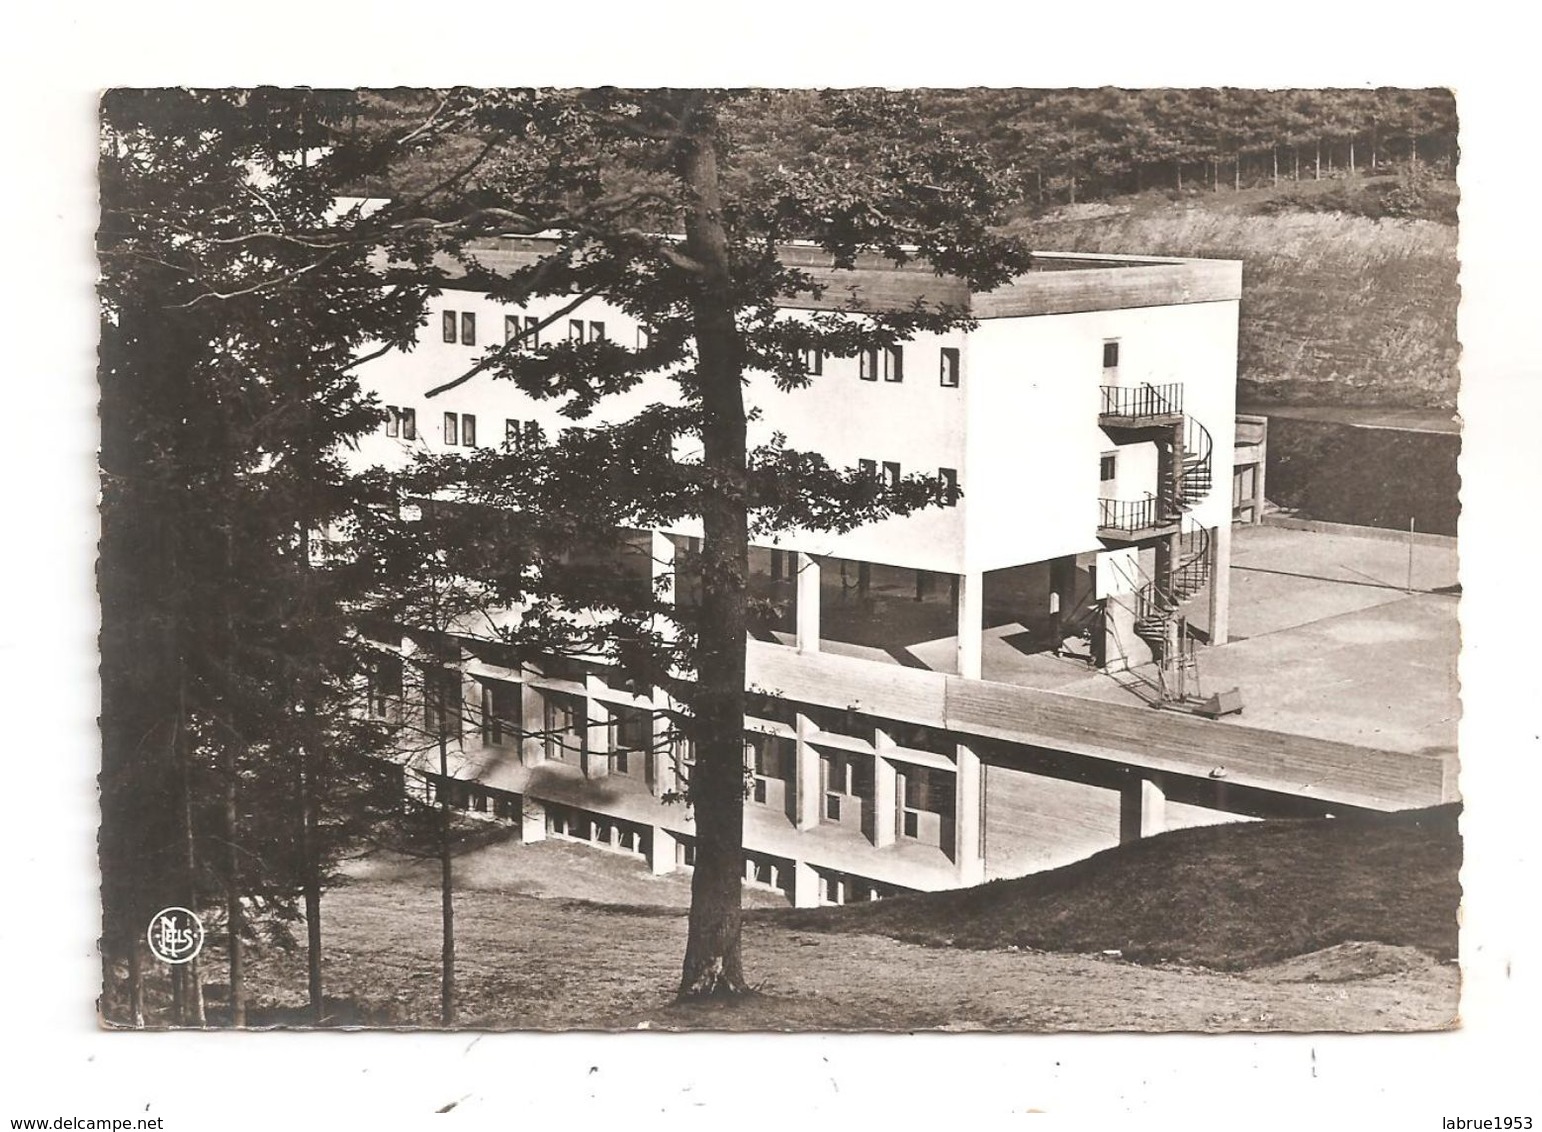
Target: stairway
{"points": [[1159, 617]]}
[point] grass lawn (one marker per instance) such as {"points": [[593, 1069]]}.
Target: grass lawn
{"points": [[1344, 925], [1336, 309]]}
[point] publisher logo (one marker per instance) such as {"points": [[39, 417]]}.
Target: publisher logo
{"points": [[175, 935]]}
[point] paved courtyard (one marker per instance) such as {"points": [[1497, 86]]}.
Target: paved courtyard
{"points": [[1325, 641]]}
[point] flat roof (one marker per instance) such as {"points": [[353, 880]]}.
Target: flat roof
{"points": [[1058, 282]]}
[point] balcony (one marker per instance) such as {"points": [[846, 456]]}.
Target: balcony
{"points": [[1131, 520], [1140, 406]]}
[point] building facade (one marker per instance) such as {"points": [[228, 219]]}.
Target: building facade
{"points": [[902, 734]]}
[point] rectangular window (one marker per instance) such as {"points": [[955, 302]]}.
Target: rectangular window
{"points": [[500, 711], [451, 428], [949, 367], [814, 361], [441, 701], [468, 430], [949, 477], [576, 330], [532, 333], [532, 434], [409, 424], [867, 364], [868, 468], [385, 685], [894, 363], [1111, 355], [449, 326], [596, 332], [1106, 466], [511, 435], [643, 337], [511, 328], [393, 421], [891, 473], [468, 329]]}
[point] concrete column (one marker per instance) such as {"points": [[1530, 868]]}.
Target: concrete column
{"points": [[1220, 583], [661, 763], [968, 817], [808, 603], [971, 618], [532, 820], [661, 852], [532, 721], [596, 755], [807, 786], [805, 886], [1142, 810], [885, 792]]}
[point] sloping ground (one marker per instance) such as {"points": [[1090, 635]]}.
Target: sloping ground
{"points": [[1336, 309], [1226, 897]]}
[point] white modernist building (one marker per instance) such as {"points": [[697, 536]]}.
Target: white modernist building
{"points": [[904, 731]]}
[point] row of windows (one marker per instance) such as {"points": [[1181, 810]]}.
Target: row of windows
{"points": [[461, 326], [891, 478], [459, 428], [888, 363], [401, 421]]}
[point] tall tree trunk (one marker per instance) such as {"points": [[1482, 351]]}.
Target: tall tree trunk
{"points": [[1178, 171], [713, 965], [192, 983], [1274, 164], [311, 882], [1317, 169], [1352, 155], [446, 868], [1295, 153], [235, 913], [1236, 174]]}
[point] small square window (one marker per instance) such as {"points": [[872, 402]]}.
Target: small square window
{"points": [[891, 473], [596, 332], [451, 428], [468, 329], [1110, 355], [393, 421], [949, 477], [1106, 466], [868, 468], [949, 367], [468, 430], [449, 326], [409, 424]]}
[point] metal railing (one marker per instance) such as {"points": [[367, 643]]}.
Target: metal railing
{"points": [[1144, 400], [1130, 514]]}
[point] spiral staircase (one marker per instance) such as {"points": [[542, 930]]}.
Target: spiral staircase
{"points": [[1183, 547]]}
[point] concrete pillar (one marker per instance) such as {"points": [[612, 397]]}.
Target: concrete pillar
{"points": [[532, 820], [885, 792], [532, 721], [971, 618], [661, 852], [596, 753], [807, 786], [1220, 583], [805, 886], [968, 817], [661, 762], [808, 603], [1142, 809]]}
